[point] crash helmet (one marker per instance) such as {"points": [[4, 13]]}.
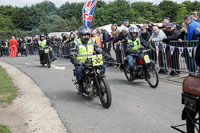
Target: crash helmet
{"points": [[84, 30]]}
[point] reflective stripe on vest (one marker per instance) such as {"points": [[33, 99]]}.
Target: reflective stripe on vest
{"points": [[136, 43], [85, 51], [42, 43]]}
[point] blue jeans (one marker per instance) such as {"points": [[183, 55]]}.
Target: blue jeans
{"points": [[131, 60], [79, 72]]}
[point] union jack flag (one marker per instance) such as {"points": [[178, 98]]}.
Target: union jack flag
{"points": [[88, 11]]}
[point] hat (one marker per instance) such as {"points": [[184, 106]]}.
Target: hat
{"points": [[170, 25], [125, 20]]}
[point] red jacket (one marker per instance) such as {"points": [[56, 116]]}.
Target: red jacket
{"points": [[13, 41]]}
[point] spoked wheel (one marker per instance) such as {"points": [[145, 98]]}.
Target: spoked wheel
{"points": [[191, 121], [152, 76], [48, 61], [127, 72], [105, 93]]}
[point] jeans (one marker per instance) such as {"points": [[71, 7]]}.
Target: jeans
{"points": [[131, 60]]}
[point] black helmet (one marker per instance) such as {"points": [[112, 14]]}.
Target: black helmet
{"points": [[133, 30], [83, 30], [42, 35]]}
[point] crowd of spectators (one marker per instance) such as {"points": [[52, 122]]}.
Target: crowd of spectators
{"points": [[149, 31]]}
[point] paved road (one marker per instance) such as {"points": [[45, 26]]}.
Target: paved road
{"points": [[136, 107]]}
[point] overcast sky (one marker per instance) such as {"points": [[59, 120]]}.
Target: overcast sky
{"points": [[21, 3]]}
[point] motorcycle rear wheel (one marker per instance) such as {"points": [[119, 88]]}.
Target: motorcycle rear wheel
{"points": [[127, 72]]}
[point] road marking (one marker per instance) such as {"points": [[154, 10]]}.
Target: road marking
{"points": [[56, 67]]}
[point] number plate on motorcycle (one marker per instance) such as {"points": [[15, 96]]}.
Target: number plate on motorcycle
{"points": [[147, 59], [46, 50], [97, 60]]}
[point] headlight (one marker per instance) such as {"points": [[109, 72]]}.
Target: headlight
{"points": [[98, 71]]}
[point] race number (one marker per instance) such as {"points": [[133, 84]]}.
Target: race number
{"points": [[147, 59], [97, 60]]}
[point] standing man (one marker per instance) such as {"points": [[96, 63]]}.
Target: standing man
{"points": [[191, 35], [13, 47]]}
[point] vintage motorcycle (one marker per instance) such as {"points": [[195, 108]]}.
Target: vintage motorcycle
{"points": [[23, 49], [94, 81], [144, 68], [47, 53]]}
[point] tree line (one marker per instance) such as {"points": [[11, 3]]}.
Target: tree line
{"points": [[45, 17]]}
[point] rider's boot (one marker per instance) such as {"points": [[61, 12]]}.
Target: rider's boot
{"points": [[80, 89]]}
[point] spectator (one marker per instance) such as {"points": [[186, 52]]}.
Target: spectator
{"points": [[145, 34], [106, 41], [173, 34], [125, 23], [13, 47], [96, 38], [191, 32], [191, 27], [164, 26], [157, 36], [195, 17]]}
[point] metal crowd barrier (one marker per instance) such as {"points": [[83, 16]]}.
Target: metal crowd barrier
{"points": [[176, 57]]}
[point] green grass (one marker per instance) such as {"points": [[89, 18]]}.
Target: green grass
{"points": [[8, 91], [4, 129]]}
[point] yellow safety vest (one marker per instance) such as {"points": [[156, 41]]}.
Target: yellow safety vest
{"points": [[85, 51], [42, 43], [136, 43]]}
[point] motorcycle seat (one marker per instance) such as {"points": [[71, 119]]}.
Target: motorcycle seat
{"points": [[191, 85]]}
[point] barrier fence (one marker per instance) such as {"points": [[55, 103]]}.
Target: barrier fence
{"points": [[176, 56], [173, 57]]}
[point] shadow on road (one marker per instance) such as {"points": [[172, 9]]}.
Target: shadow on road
{"points": [[69, 96]]}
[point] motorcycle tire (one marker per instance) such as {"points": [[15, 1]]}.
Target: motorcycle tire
{"points": [[48, 60], [152, 76], [105, 93], [127, 72]]}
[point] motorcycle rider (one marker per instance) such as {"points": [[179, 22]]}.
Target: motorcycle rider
{"points": [[84, 49], [133, 44], [42, 43]]}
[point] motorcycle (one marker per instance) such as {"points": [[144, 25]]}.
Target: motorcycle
{"points": [[144, 68], [23, 49], [94, 81], [47, 56]]}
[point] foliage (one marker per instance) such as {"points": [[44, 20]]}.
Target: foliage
{"points": [[4, 129], [45, 17], [8, 91]]}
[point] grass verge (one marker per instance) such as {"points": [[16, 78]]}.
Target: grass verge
{"points": [[8, 90], [4, 129]]}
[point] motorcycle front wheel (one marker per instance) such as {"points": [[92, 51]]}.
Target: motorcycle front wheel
{"points": [[152, 76], [48, 60], [105, 93]]}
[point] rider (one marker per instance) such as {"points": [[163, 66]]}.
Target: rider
{"points": [[85, 47], [133, 45], [42, 43]]}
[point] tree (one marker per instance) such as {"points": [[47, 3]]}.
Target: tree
{"points": [[170, 9]]}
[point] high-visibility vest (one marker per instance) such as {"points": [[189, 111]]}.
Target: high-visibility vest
{"points": [[136, 43], [42, 43], [6, 44], [85, 51]]}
